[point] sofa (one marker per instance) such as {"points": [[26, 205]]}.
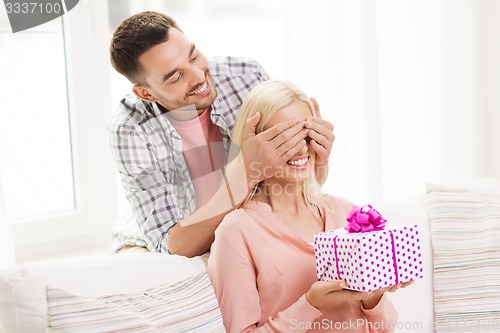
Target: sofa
{"points": [[33, 296]]}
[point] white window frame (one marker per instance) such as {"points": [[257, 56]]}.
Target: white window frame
{"points": [[87, 227]]}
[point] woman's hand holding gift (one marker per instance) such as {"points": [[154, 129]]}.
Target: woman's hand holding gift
{"points": [[322, 293], [373, 297]]}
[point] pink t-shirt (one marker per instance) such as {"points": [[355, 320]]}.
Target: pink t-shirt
{"points": [[261, 269], [204, 153]]}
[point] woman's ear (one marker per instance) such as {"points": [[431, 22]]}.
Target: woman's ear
{"points": [[143, 93]]}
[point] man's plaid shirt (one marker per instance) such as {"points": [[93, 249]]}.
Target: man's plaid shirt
{"points": [[148, 154]]}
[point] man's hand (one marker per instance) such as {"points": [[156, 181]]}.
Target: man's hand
{"points": [[321, 134], [265, 152]]}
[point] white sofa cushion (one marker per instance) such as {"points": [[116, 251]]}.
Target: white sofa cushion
{"points": [[23, 306], [188, 305], [415, 303]]}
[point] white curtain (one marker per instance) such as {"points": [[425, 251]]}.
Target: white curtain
{"points": [[7, 258], [412, 87]]}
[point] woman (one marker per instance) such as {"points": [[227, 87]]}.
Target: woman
{"points": [[262, 263]]}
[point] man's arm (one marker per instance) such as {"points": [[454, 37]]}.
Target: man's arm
{"points": [[147, 187], [260, 155]]}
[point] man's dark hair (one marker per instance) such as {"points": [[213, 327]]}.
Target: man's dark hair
{"points": [[136, 35]]}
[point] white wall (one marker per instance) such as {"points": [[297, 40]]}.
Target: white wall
{"points": [[410, 86]]}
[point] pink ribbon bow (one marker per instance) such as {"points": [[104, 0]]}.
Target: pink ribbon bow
{"points": [[364, 219]]}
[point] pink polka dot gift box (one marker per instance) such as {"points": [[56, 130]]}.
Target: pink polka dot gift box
{"points": [[367, 254]]}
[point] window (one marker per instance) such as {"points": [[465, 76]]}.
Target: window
{"points": [[36, 162], [57, 172]]}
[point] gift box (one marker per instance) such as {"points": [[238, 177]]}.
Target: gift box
{"points": [[367, 254]]}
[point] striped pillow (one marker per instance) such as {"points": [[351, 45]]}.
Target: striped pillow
{"points": [[465, 232], [186, 306]]}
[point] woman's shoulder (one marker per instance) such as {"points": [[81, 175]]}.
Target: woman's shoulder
{"points": [[244, 217], [234, 219], [336, 211]]}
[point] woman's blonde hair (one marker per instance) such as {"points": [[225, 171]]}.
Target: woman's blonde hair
{"points": [[267, 98]]}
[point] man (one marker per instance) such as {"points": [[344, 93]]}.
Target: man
{"points": [[178, 120]]}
